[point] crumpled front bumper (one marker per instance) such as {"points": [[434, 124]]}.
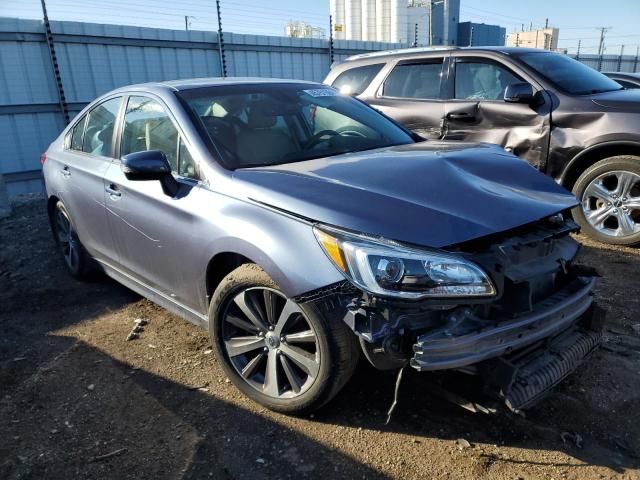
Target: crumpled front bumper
{"points": [[551, 316]]}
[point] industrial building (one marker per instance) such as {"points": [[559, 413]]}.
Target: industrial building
{"points": [[471, 34], [403, 21], [546, 38]]}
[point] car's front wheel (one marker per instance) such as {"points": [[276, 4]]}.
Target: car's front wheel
{"points": [[609, 194], [287, 356]]}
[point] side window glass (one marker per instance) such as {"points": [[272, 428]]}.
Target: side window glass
{"points": [[98, 135], [356, 80], [76, 135], [187, 167], [415, 80], [148, 127], [482, 81]]}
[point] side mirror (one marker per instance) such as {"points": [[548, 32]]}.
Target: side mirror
{"points": [[519, 93], [150, 165]]}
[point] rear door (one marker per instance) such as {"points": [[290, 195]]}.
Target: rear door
{"points": [[86, 157], [411, 93], [476, 110]]}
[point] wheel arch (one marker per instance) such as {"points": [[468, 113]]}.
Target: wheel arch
{"points": [[593, 154], [219, 266]]}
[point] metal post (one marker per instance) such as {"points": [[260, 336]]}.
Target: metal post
{"points": [[578, 52], [330, 39], [430, 23], [415, 35], [517, 39], [635, 62], [620, 58], [186, 23], [223, 63], [62, 100], [471, 38]]}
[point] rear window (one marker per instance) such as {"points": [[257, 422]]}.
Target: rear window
{"points": [[355, 80]]}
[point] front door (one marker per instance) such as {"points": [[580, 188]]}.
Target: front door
{"points": [[152, 230], [476, 110], [411, 95]]}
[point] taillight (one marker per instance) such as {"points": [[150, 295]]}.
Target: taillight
{"points": [[43, 158]]}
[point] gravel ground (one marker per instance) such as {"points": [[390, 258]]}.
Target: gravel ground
{"points": [[79, 401]]}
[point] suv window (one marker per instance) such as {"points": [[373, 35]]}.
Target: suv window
{"points": [[98, 136], [148, 127], [414, 80], [76, 134], [479, 80], [355, 80]]}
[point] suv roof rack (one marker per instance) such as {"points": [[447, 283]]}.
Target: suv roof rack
{"points": [[399, 51]]}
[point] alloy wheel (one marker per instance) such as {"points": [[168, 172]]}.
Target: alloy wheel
{"points": [[611, 203], [67, 239], [270, 342]]}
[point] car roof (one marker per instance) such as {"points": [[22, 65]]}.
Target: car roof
{"points": [[191, 83], [422, 50]]}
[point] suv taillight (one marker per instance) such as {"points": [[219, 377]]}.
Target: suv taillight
{"points": [[43, 158]]}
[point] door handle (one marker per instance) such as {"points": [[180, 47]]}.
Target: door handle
{"points": [[66, 172], [113, 191], [461, 116]]}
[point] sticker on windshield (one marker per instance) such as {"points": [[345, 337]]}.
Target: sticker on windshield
{"points": [[321, 92]]}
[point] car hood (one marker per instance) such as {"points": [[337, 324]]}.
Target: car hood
{"points": [[433, 194], [623, 100]]}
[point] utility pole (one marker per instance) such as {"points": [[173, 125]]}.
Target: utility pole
{"points": [[620, 58], [601, 47], [330, 40], [223, 63], [62, 100]]}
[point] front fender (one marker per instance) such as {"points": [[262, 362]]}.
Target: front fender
{"points": [[283, 245]]}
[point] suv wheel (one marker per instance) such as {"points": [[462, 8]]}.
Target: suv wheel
{"points": [[609, 192], [76, 258], [286, 356]]}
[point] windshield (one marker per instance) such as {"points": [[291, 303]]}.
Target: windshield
{"points": [[270, 124], [568, 74]]}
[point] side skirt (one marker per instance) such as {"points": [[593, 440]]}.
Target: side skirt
{"points": [[155, 296]]}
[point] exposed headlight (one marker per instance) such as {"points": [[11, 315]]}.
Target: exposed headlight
{"points": [[389, 269]]}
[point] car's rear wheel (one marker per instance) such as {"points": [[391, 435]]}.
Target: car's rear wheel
{"points": [[286, 356], [76, 259], [609, 193]]}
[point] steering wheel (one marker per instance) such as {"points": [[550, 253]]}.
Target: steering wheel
{"points": [[350, 131], [313, 141]]}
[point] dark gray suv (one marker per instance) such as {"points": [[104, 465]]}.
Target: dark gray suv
{"points": [[302, 227], [563, 117]]}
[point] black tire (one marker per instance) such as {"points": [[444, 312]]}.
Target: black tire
{"points": [[335, 342], [77, 261], [621, 163]]}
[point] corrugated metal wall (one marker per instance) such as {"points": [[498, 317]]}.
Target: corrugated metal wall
{"points": [[95, 58]]}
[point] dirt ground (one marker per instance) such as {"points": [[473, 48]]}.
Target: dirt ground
{"points": [[79, 401]]}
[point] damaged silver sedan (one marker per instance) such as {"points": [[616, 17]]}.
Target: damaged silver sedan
{"points": [[303, 229]]}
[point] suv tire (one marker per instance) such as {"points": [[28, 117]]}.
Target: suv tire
{"points": [[334, 345], [612, 187]]}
